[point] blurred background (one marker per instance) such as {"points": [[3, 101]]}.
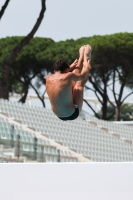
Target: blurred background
{"points": [[67, 25]]}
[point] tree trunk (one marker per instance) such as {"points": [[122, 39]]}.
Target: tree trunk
{"points": [[4, 8], [104, 109], [23, 98], [117, 113], [41, 98], [4, 88]]}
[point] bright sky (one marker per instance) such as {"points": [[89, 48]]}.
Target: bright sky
{"points": [[68, 19]]}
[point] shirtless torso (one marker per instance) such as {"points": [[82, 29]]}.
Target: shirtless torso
{"points": [[59, 89]]}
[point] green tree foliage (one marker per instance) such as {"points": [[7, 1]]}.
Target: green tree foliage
{"points": [[126, 113], [29, 63], [5, 73], [112, 64]]}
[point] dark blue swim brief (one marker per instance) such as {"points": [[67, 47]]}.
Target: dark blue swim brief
{"points": [[73, 116]]}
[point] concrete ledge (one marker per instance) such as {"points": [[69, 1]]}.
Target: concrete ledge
{"points": [[92, 122], [59, 143], [5, 114], [128, 141], [32, 128], [103, 128], [16, 120], [88, 157], [74, 150], [45, 135], [116, 135]]}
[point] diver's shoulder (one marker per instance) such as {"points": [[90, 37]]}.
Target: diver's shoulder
{"points": [[49, 76]]}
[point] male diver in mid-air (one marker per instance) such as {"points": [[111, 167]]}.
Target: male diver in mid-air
{"points": [[65, 87]]}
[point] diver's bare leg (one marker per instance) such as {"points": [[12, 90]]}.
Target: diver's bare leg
{"points": [[79, 65], [79, 86]]}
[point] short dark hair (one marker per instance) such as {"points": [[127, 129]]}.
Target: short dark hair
{"points": [[60, 65]]}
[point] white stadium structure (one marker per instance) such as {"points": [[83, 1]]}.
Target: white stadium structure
{"points": [[33, 134]]}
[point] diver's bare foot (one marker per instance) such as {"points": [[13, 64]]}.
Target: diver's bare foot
{"points": [[81, 57], [87, 52], [81, 52]]}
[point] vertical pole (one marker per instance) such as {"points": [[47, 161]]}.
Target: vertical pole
{"points": [[58, 155], [18, 146], [35, 148], [29, 100], [42, 154], [12, 136]]}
